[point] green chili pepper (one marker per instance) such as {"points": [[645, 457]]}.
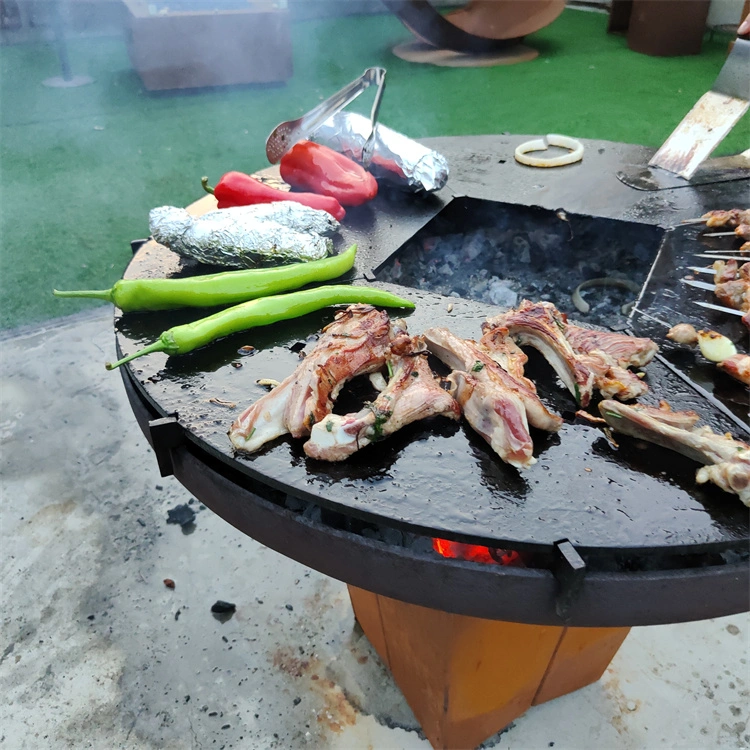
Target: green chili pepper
{"points": [[212, 290], [261, 312]]}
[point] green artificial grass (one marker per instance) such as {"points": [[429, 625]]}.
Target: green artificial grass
{"points": [[81, 167]]}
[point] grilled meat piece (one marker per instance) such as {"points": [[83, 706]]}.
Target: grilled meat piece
{"points": [[355, 343], [501, 347], [468, 356], [497, 414], [738, 366], [683, 333], [541, 325], [627, 351], [730, 271], [727, 461], [731, 218], [611, 380], [735, 294], [715, 348], [412, 394]]}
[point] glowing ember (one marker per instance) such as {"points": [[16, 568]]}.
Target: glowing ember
{"points": [[475, 553]]}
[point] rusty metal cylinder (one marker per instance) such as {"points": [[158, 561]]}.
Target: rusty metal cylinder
{"points": [[667, 28]]}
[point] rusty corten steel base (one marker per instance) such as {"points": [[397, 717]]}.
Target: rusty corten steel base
{"points": [[466, 678], [632, 541]]}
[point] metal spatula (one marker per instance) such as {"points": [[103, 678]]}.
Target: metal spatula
{"points": [[286, 134], [712, 117]]}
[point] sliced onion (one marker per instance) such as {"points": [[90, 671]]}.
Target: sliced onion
{"points": [[542, 144], [583, 306], [715, 347]]}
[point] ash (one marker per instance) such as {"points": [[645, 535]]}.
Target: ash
{"points": [[511, 253]]}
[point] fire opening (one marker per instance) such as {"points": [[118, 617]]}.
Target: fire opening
{"points": [[475, 553], [501, 253]]}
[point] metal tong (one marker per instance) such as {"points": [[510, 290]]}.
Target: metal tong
{"points": [[286, 134]]}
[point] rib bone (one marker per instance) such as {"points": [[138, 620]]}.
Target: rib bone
{"points": [[411, 394], [357, 342], [727, 461]]}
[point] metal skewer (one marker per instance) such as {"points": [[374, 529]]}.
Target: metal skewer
{"points": [[719, 308], [719, 256], [699, 284]]}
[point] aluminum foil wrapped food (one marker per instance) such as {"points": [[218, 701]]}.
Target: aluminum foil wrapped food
{"points": [[395, 158], [241, 237]]}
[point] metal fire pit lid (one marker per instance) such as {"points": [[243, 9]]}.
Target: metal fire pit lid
{"points": [[438, 477]]}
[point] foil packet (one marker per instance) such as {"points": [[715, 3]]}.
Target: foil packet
{"points": [[395, 158], [240, 237]]}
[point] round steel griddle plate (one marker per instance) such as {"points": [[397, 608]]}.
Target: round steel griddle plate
{"points": [[438, 477]]}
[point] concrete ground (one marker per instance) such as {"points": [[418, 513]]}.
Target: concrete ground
{"points": [[98, 653]]}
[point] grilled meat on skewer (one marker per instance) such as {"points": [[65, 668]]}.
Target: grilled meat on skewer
{"points": [[742, 231], [683, 333], [734, 294], [725, 271], [412, 394], [357, 342], [715, 348], [731, 218], [737, 366], [542, 326], [727, 461]]}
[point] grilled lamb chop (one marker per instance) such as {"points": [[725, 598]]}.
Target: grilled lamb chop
{"points": [[355, 343], [627, 351], [468, 356], [727, 461], [501, 347], [611, 380], [411, 394], [542, 326], [497, 414]]}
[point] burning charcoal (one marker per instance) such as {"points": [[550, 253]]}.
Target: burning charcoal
{"points": [[183, 515], [223, 608]]}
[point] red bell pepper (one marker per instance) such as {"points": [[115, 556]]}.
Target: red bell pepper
{"points": [[238, 189], [315, 167]]}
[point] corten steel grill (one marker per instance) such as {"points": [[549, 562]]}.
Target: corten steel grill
{"points": [[598, 537]]}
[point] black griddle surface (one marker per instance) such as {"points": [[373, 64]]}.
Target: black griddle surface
{"points": [[438, 477]]}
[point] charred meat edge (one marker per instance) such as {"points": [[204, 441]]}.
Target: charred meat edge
{"points": [[542, 326], [355, 343], [468, 356], [412, 394]]}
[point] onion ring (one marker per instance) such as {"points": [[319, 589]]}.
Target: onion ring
{"points": [[582, 306], [542, 144]]}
